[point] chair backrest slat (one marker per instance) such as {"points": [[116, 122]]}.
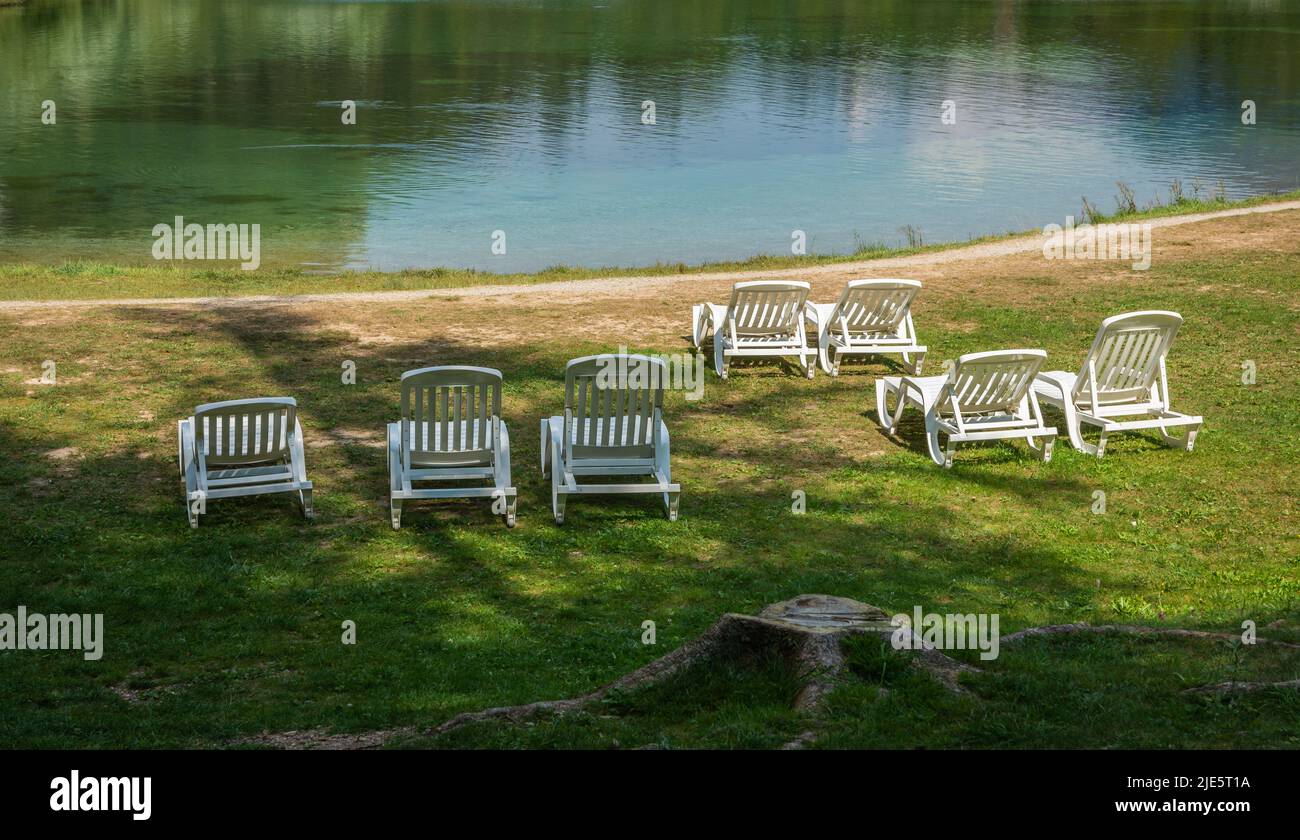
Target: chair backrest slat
{"points": [[269, 431], [766, 308], [449, 413], [238, 432], [1126, 355], [413, 407], [611, 403], [876, 306], [995, 381]]}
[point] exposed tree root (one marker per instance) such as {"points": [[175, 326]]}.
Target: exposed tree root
{"points": [[1134, 629], [320, 739], [807, 633], [1241, 687], [803, 740]]}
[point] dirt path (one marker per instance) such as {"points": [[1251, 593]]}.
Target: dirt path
{"points": [[1006, 247]]}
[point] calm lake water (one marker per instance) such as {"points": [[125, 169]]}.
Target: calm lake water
{"points": [[527, 117]]}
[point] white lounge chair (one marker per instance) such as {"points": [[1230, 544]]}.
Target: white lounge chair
{"points": [[451, 430], [986, 396], [871, 317], [612, 426], [242, 448], [764, 318], [1123, 376]]}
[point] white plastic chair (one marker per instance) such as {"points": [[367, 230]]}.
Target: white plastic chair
{"points": [[1123, 376], [612, 426], [871, 317], [763, 319], [451, 430], [242, 448], [986, 396]]}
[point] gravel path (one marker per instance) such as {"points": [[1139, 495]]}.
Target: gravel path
{"points": [[1001, 248]]}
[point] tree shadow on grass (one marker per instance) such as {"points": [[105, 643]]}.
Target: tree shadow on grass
{"points": [[454, 611]]}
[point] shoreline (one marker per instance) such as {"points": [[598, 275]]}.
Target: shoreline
{"points": [[570, 280]]}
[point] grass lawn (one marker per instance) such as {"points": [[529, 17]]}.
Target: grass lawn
{"points": [[234, 629]]}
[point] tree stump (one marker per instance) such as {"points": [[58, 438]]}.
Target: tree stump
{"points": [[807, 632]]}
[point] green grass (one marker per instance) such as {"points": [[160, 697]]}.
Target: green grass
{"points": [[235, 629], [1179, 203], [95, 280], [1075, 692]]}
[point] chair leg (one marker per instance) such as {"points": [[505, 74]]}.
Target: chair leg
{"points": [[1074, 427], [882, 406], [195, 501], [1184, 442], [824, 355], [1043, 450], [1035, 413], [304, 501], [699, 315], [501, 478], [939, 454], [719, 357], [546, 444], [557, 478], [664, 468], [180, 446], [889, 420], [189, 472], [557, 501], [503, 503], [394, 474]]}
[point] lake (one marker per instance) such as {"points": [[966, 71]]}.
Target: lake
{"points": [[622, 132]]}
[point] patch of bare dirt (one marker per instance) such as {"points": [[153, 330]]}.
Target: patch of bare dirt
{"points": [[357, 437]]}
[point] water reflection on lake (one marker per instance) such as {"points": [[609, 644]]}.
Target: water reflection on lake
{"points": [[526, 117]]}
